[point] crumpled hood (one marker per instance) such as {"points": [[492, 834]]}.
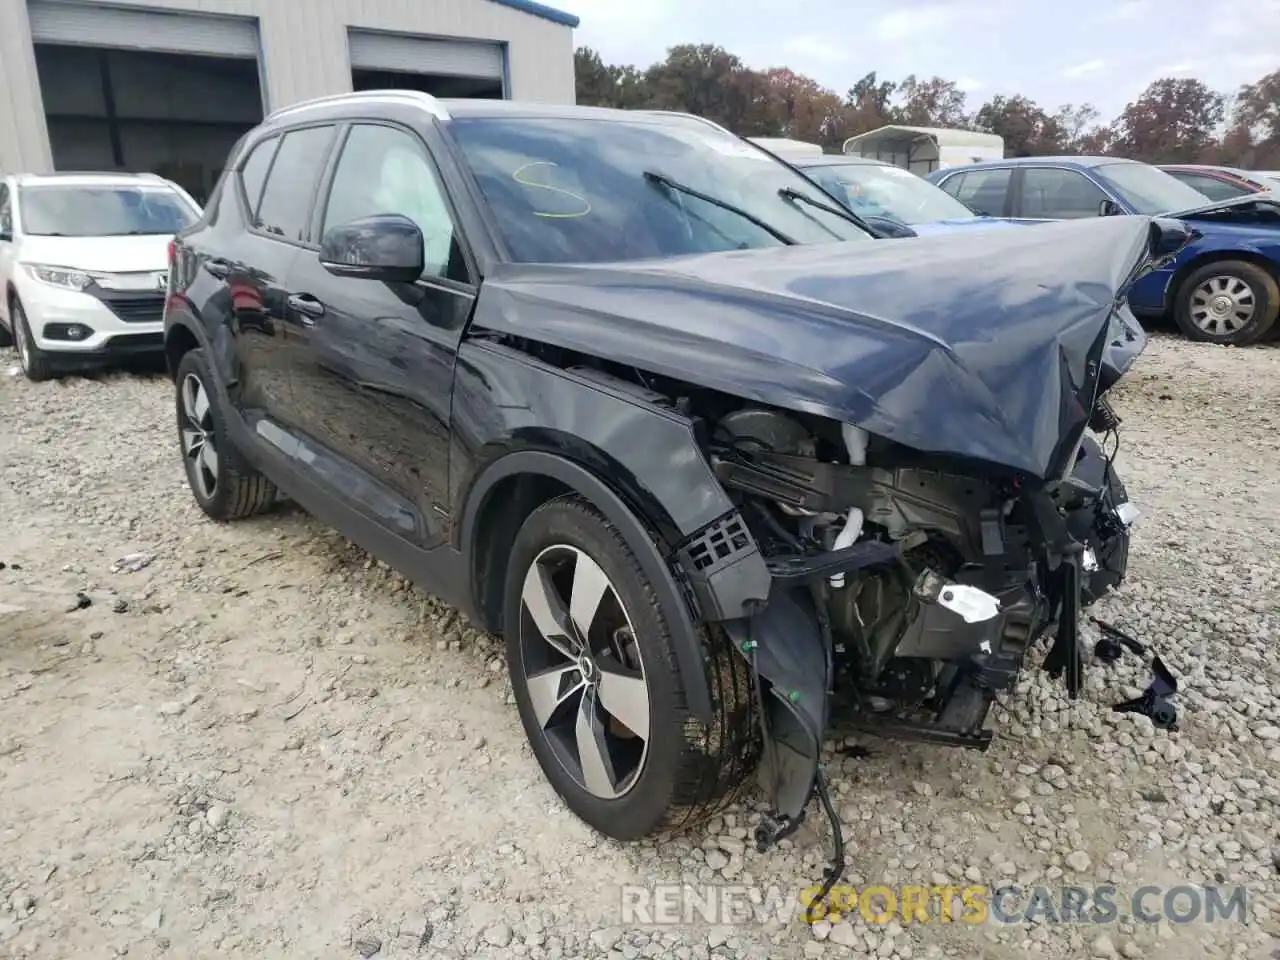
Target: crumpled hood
{"points": [[937, 227], [985, 345], [1222, 209]]}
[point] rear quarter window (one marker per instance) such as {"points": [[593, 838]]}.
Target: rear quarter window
{"points": [[253, 171]]}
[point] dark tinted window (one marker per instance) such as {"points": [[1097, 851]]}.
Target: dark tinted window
{"points": [[385, 170], [253, 172], [291, 188], [53, 210], [1211, 187], [1049, 194], [587, 190], [982, 190]]}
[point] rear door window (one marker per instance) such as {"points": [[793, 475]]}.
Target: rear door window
{"points": [[290, 191], [253, 172], [1211, 187]]}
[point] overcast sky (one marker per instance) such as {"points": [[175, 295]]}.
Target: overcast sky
{"points": [[1099, 51]]}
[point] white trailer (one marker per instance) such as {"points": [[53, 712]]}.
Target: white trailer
{"points": [[788, 149], [925, 149]]}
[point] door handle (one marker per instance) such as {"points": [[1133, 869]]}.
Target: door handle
{"points": [[306, 306], [218, 268]]}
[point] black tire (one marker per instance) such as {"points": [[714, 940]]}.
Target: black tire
{"points": [[686, 772], [232, 489], [1240, 285], [6, 335], [35, 363]]}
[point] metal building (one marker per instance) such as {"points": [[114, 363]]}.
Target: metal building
{"points": [[168, 86]]}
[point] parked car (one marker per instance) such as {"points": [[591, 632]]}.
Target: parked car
{"points": [[83, 266], [893, 198], [1222, 288], [1220, 183], [640, 399]]}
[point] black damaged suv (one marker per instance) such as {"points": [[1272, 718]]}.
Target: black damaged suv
{"points": [[718, 463]]}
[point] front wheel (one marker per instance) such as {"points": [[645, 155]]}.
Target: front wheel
{"points": [[35, 363], [1229, 302], [593, 668]]}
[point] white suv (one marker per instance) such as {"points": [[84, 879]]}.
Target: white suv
{"points": [[84, 265]]}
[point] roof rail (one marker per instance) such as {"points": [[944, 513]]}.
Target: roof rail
{"points": [[415, 97], [689, 116]]}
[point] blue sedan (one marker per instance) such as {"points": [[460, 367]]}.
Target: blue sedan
{"points": [[1222, 287], [892, 199]]}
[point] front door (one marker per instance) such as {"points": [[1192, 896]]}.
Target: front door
{"points": [[376, 372], [1056, 193]]}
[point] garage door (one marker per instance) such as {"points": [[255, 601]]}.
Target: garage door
{"points": [[408, 54], [59, 21]]}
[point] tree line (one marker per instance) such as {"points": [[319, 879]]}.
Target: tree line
{"points": [[1175, 120]]}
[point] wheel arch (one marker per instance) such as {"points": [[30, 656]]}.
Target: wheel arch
{"points": [[513, 486], [1216, 255], [179, 340]]}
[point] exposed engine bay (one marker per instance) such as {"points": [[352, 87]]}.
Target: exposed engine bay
{"points": [[927, 581]]}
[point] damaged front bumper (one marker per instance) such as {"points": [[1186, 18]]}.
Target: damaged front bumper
{"points": [[789, 643]]}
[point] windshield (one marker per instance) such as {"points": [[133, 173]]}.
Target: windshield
{"points": [[872, 190], [65, 211], [1150, 191], [592, 191]]}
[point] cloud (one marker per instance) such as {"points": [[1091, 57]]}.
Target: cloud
{"points": [[811, 47], [1130, 11], [1083, 69], [909, 23], [968, 84], [1180, 69]]}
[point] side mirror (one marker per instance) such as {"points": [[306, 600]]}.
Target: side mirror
{"points": [[1169, 236], [1109, 208], [387, 247], [890, 228]]}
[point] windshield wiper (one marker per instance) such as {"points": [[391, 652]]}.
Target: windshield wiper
{"points": [[665, 181], [792, 194]]}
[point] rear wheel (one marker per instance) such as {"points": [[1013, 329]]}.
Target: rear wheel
{"points": [[1230, 302], [602, 700], [224, 484]]}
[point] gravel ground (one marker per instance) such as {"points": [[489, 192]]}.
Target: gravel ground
{"points": [[265, 744]]}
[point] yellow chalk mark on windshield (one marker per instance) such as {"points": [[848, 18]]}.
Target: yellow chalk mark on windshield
{"points": [[586, 204]]}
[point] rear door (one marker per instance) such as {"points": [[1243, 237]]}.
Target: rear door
{"points": [[375, 368], [279, 180]]}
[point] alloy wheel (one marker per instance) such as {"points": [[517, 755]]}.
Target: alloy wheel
{"points": [[584, 672], [1222, 305], [199, 448]]}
